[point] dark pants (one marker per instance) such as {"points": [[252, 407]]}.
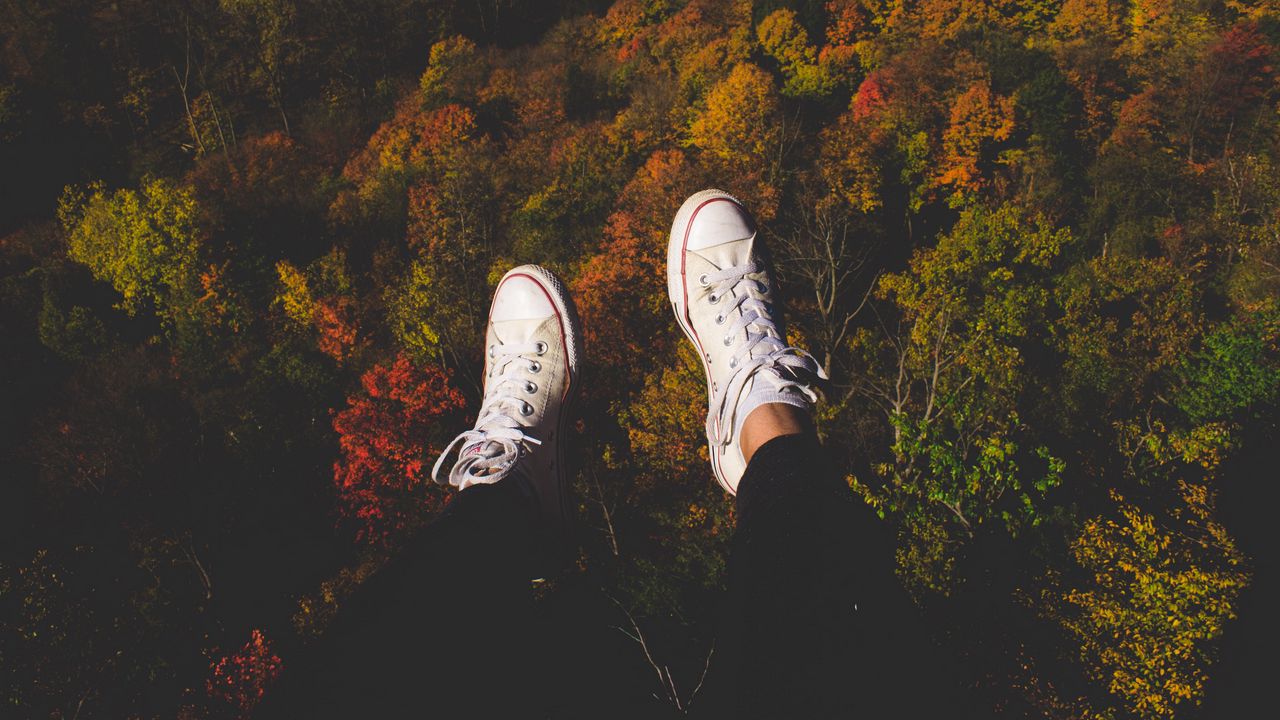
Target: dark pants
{"points": [[813, 625]]}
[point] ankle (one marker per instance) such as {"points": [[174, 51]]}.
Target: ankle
{"points": [[770, 421]]}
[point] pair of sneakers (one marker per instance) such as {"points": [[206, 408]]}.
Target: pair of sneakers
{"points": [[723, 296]]}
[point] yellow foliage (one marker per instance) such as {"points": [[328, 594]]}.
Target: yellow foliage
{"points": [[1161, 590], [294, 297], [666, 422], [410, 306], [739, 123], [146, 243], [451, 70], [783, 37], [1163, 34], [317, 610], [979, 118]]}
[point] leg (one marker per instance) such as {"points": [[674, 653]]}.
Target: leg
{"points": [[443, 621], [446, 628], [807, 631], [769, 421], [793, 623], [817, 625]]}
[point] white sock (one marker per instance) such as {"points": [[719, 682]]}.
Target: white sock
{"points": [[765, 393]]}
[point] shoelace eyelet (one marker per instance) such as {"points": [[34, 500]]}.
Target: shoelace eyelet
{"points": [[728, 340], [719, 319], [733, 364], [492, 349], [530, 388], [526, 409], [542, 348], [702, 280], [713, 298], [534, 366]]}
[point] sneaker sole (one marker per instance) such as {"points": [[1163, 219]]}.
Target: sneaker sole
{"points": [[570, 335], [677, 292]]}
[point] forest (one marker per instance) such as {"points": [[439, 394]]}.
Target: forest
{"points": [[247, 246]]}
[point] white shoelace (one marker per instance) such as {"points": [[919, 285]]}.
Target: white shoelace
{"points": [[763, 348], [491, 449]]}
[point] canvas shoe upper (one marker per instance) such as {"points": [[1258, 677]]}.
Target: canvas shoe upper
{"points": [[530, 375], [723, 297]]}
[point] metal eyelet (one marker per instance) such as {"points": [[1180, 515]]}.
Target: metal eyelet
{"points": [[492, 348], [530, 387], [542, 348], [713, 298], [534, 366], [728, 341], [719, 319], [764, 289], [526, 409], [733, 363], [702, 280]]}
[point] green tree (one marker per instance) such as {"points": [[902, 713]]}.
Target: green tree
{"points": [[950, 382]]}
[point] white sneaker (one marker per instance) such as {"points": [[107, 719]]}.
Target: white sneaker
{"points": [[531, 372], [723, 296]]}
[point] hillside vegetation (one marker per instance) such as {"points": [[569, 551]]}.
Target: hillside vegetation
{"points": [[247, 246]]}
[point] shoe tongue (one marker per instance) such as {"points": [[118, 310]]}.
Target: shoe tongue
{"points": [[509, 332], [728, 254]]}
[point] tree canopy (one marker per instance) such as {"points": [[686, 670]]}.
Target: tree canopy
{"points": [[247, 249]]}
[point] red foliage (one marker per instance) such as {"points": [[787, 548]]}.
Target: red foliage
{"points": [[263, 171], [848, 21], [1138, 120], [1236, 73], [389, 435], [411, 143], [336, 323], [871, 96], [241, 680]]}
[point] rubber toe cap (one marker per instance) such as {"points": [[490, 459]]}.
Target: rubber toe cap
{"points": [[719, 220], [520, 297]]}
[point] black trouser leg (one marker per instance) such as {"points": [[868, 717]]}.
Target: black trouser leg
{"points": [[441, 631], [816, 625], [791, 637]]}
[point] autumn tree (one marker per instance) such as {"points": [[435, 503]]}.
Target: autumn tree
{"points": [[786, 40], [1160, 590], [1127, 324], [1227, 89], [319, 302], [741, 129], [145, 244], [979, 120], [242, 678], [389, 434], [619, 291], [412, 143], [454, 71]]}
